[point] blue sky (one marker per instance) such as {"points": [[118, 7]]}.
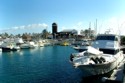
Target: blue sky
{"points": [[20, 16]]}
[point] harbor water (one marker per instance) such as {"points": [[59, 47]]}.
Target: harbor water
{"points": [[40, 65]]}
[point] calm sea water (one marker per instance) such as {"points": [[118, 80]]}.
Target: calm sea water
{"points": [[40, 65]]}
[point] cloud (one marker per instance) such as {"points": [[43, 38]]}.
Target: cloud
{"points": [[26, 27], [18, 27], [78, 26], [43, 25], [32, 26]]}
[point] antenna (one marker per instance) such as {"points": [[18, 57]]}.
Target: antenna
{"points": [[89, 29], [96, 27]]}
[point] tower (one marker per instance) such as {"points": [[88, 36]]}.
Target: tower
{"points": [[54, 30]]}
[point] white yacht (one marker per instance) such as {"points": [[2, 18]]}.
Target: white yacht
{"points": [[82, 47], [9, 46], [103, 56]]}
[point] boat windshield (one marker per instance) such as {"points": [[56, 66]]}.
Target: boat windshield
{"points": [[109, 51], [105, 38]]}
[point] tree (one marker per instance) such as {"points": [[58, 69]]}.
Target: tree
{"points": [[6, 34], [45, 33], [26, 37], [11, 35], [86, 32], [82, 32], [123, 40], [18, 35]]}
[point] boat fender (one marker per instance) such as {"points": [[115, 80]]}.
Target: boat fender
{"points": [[102, 59], [94, 60], [98, 60], [71, 57]]}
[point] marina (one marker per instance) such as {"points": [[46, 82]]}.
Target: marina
{"points": [[53, 41], [64, 59], [48, 64]]}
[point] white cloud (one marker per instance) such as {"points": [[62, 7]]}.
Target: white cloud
{"points": [[35, 26], [26, 28], [15, 27], [43, 25], [32, 26], [22, 27], [78, 26]]}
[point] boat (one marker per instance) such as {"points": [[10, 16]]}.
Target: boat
{"points": [[81, 42], [0, 50], [47, 42], [103, 56], [40, 43], [32, 44], [64, 43], [9, 46], [81, 46], [25, 46]]}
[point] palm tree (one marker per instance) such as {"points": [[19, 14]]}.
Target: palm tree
{"points": [[86, 32], [45, 33]]}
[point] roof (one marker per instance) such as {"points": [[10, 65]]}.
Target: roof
{"points": [[107, 35], [69, 30], [54, 23]]}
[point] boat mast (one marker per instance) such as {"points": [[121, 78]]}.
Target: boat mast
{"points": [[96, 28], [89, 30]]}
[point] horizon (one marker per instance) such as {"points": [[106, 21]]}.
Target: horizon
{"points": [[30, 16]]}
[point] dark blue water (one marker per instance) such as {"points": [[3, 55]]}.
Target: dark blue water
{"points": [[40, 65]]}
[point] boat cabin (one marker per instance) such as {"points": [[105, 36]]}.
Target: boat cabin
{"points": [[108, 43]]}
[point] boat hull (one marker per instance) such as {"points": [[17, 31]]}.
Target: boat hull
{"points": [[97, 69], [5, 49]]}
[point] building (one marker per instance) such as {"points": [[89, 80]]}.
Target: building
{"points": [[54, 30], [67, 33]]}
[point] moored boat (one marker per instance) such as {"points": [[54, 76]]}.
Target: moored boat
{"points": [[9, 46], [25, 46], [0, 50], [81, 46], [65, 43], [103, 56]]}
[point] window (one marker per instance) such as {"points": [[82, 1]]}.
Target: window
{"points": [[105, 38], [109, 51]]}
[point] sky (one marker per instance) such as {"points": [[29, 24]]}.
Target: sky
{"points": [[32, 16]]}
